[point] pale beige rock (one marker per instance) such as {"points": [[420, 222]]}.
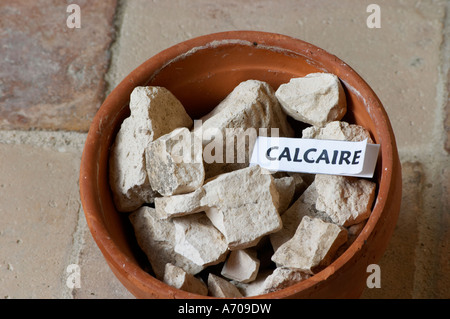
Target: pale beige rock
{"points": [[254, 288], [242, 204], [174, 163], [286, 189], [305, 205], [241, 265], [128, 176], [316, 99], [282, 278], [222, 288], [347, 200], [338, 130], [176, 277], [237, 119], [156, 237], [198, 240], [150, 107], [312, 247]]}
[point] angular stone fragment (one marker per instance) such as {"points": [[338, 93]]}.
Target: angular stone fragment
{"points": [[316, 99], [242, 204], [347, 200], [254, 288], [198, 240], [338, 130], [241, 265], [237, 121], [282, 278], [304, 206], [286, 189], [174, 165], [222, 288], [151, 108], [176, 277], [312, 247], [156, 237]]}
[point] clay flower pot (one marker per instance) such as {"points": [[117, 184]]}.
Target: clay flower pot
{"points": [[200, 72]]}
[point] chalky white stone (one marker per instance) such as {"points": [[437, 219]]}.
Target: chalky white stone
{"points": [[176, 277], [305, 205], [198, 240], [241, 265], [222, 288], [347, 200], [316, 99], [156, 237], [312, 247], [338, 130], [154, 111], [174, 166], [282, 278]]}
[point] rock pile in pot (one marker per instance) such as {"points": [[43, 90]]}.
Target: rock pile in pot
{"points": [[224, 228]]}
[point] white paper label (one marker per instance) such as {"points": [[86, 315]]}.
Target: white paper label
{"points": [[315, 156]]}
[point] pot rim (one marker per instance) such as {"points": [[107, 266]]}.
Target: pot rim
{"points": [[266, 40]]}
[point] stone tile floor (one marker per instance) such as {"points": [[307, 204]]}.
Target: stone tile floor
{"points": [[54, 78]]}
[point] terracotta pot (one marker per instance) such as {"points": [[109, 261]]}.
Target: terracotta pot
{"points": [[201, 72]]}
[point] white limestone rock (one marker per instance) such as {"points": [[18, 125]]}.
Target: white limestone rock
{"points": [[347, 200], [250, 106], [242, 204], [176, 277], [151, 108], [305, 205], [312, 247], [198, 240], [222, 288], [156, 237], [255, 287], [282, 278], [316, 99], [241, 265], [174, 163], [338, 130]]}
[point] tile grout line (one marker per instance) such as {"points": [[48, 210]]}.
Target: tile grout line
{"points": [[82, 228], [77, 246], [117, 24], [436, 157]]}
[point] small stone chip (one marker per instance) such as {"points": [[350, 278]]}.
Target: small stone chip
{"points": [[198, 240], [338, 130], [222, 288], [316, 99], [174, 166], [241, 265], [282, 278], [312, 247], [304, 206], [156, 237], [176, 277]]}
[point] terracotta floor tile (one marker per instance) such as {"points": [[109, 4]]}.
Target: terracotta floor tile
{"points": [[52, 76]]}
